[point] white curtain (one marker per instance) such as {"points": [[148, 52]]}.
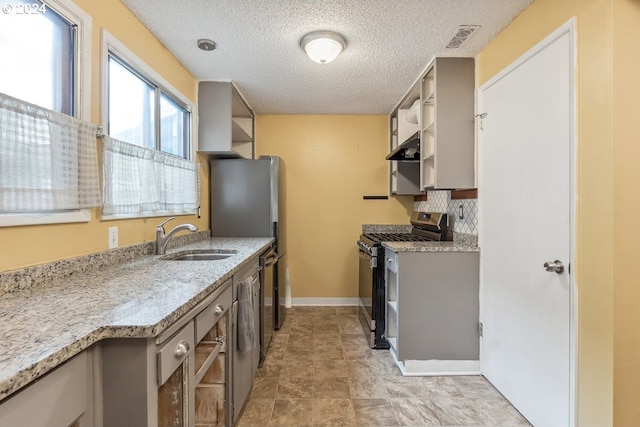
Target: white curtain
{"points": [[139, 180], [48, 160]]}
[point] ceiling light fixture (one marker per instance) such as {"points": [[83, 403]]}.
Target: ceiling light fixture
{"points": [[323, 46], [206, 44]]}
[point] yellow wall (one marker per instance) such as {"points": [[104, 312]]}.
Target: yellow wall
{"points": [[30, 245], [595, 181], [626, 196], [331, 161]]}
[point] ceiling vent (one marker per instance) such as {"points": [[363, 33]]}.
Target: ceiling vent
{"points": [[462, 35]]}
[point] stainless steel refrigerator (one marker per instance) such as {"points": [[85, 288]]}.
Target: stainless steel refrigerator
{"points": [[247, 200]]}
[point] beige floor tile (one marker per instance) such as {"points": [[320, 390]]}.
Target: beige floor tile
{"points": [[295, 388], [256, 413], [333, 412], [329, 369], [327, 388], [264, 388], [374, 412], [356, 353], [415, 412], [322, 371], [328, 352], [297, 368], [371, 387], [299, 353], [326, 328], [271, 367], [400, 387], [498, 412], [354, 339], [327, 339], [347, 310], [300, 340], [292, 412], [453, 411], [349, 325], [440, 386]]}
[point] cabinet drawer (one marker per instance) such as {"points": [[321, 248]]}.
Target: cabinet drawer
{"points": [[210, 315], [173, 353], [391, 261]]}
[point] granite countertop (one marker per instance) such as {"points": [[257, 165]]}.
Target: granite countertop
{"points": [[43, 326], [431, 246]]}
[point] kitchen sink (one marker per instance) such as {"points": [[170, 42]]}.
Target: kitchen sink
{"points": [[200, 255]]}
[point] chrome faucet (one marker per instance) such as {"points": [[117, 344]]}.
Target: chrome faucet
{"points": [[162, 239]]}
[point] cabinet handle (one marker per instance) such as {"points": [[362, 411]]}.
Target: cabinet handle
{"points": [[219, 309], [389, 260], [181, 349]]}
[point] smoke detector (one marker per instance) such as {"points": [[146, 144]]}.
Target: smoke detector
{"points": [[463, 34], [206, 44]]}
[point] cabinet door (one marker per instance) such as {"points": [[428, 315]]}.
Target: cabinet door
{"points": [[173, 399], [212, 388], [59, 399]]}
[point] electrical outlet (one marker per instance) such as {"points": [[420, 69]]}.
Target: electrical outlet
{"points": [[113, 237]]}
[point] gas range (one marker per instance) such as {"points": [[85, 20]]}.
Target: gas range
{"points": [[426, 226]]}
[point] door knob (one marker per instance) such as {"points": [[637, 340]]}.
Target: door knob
{"points": [[554, 266]]}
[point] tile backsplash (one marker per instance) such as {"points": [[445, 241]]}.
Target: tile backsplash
{"points": [[440, 201]]}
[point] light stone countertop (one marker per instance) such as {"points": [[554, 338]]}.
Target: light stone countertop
{"points": [[431, 247], [43, 326]]}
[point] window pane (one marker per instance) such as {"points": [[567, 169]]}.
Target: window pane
{"points": [[173, 122], [131, 106], [37, 55]]}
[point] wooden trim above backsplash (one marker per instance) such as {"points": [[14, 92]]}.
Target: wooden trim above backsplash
{"points": [[464, 194], [420, 198]]}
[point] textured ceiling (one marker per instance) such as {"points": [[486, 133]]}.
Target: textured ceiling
{"points": [[389, 44]]}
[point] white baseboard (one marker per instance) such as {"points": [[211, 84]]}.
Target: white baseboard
{"points": [[324, 301], [425, 368]]}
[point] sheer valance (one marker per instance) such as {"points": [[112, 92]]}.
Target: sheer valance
{"points": [[143, 181], [48, 160]]}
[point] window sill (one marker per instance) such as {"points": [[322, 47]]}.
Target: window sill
{"points": [[21, 219]]}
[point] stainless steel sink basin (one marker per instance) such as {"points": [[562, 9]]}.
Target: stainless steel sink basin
{"points": [[200, 256]]}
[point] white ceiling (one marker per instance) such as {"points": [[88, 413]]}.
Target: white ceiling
{"points": [[390, 42]]}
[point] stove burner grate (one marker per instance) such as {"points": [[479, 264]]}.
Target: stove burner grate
{"points": [[397, 237]]}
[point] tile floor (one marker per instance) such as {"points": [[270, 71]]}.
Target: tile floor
{"points": [[319, 371]]}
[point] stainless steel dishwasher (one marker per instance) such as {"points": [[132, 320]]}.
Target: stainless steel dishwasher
{"points": [[245, 365], [268, 261]]}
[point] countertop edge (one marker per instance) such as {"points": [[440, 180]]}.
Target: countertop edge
{"points": [[48, 363], [430, 247]]}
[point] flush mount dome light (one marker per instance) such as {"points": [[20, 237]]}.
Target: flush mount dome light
{"points": [[323, 46]]}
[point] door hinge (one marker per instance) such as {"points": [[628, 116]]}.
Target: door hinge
{"points": [[481, 329]]}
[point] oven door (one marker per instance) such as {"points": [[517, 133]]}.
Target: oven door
{"points": [[367, 263]]}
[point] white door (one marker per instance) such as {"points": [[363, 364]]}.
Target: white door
{"points": [[525, 171]]}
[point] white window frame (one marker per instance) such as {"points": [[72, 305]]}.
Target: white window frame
{"points": [[110, 44], [82, 100]]}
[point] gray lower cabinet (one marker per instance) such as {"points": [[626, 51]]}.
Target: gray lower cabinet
{"points": [[180, 378], [62, 398], [432, 311]]}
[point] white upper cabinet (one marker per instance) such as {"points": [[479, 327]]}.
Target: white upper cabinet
{"points": [[226, 122]]}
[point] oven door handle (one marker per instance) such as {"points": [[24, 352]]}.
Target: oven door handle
{"points": [[373, 261]]}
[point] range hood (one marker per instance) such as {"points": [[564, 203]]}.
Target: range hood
{"points": [[408, 151]]}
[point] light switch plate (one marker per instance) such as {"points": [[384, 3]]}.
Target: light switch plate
{"points": [[113, 237]]}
